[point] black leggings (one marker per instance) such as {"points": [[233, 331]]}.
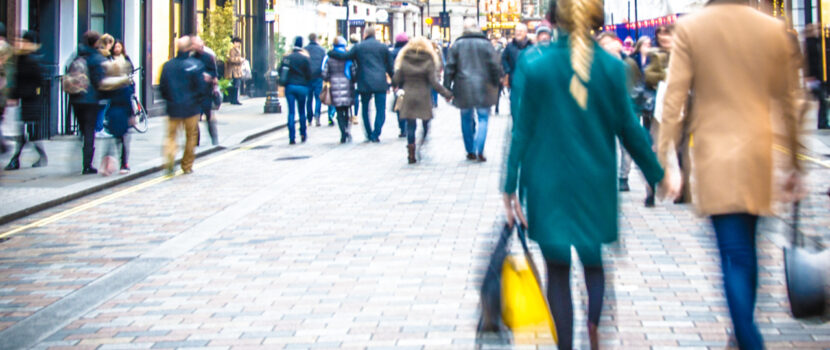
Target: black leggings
{"points": [[411, 126], [343, 122], [558, 261]]}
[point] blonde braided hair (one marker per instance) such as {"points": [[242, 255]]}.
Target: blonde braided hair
{"points": [[580, 17]]}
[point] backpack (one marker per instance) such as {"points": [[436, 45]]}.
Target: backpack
{"points": [[76, 79]]}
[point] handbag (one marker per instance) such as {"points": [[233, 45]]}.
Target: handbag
{"points": [[325, 95], [512, 299], [399, 96], [804, 270], [246, 70]]}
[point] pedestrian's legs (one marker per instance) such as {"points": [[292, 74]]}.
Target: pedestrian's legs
{"points": [[171, 145], [468, 130], [818, 92], [625, 162], [434, 98], [191, 128], [481, 132], [125, 151], [736, 240], [3, 147], [332, 111], [498, 99], [211, 124], [14, 162], [558, 263], [318, 87], [411, 125], [234, 93], [380, 114], [365, 98], [313, 100], [99, 119], [290, 99], [343, 122], [356, 103], [425, 132], [301, 105], [87, 115]]}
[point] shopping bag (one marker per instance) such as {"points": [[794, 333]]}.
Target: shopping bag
{"points": [[525, 309], [804, 268], [513, 304], [325, 95]]}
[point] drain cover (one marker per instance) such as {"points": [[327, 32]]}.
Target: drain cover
{"points": [[291, 158]]}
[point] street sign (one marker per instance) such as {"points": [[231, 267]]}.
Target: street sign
{"points": [[444, 20], [357, 22], [395, 4]]}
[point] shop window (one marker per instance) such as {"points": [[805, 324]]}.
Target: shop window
{"points": [[97, 16]]}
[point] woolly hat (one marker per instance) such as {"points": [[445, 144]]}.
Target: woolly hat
{"points": [[543, 29], [298, 42], [401, 38], [340, 41]]}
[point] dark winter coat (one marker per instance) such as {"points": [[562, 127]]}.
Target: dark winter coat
{"points": [[397, 49], [416, 72], [95, 72], [209, 63], [374, 62], [342, 89], [510, 56], [473, 72], [299, 68], [29, 82], [182, 86], [316, 54]]}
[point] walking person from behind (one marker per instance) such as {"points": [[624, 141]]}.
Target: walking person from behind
{"points": [[340, 75], [296, 87], [85, 73], [563, 154], [473, 74], [374, 63], [233, 70], [416, 71], [118, 88], [29, 82], [182, 86], [400, 41], [316, 54], [733, 133], [211, 79]]}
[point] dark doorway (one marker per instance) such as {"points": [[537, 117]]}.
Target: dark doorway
{"points": [[44, 18]]}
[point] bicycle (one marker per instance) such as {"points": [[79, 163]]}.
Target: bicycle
{"points": [[139, 119]]}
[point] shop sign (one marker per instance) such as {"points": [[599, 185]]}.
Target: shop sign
{"points": [[357, 22], [270, 15]]}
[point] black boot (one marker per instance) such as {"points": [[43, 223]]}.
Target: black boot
{"points": [[624, 185], [14, 164], [43, 161], [410, 149]]}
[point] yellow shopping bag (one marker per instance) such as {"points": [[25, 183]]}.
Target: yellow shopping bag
{"points": [[525, 309]]}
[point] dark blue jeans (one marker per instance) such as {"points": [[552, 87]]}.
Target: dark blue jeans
{"points": [[380, 114], [316, 86], [233, 91], [412, 126], [296, 94], [739, 262]]}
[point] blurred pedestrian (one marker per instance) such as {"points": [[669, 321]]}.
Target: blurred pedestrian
{"points": [[400, 41], [499, 47], [340, 75], [354, 39], [562, 157], [104, 47], [473, 75], [28, 89], [86, 71], [6, 80], [543, 35], [374, 64], [182, 85], [117, 86], [316, 53], [733, 134], [611, 44], [510, 56], [233, 70], [200, 53], [297, 87], [416, 71]]}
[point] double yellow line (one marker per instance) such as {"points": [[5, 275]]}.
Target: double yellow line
{"points": [[129, 190], [805, 157]]}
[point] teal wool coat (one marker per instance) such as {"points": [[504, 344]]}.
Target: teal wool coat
{"points": [[562, 158]]}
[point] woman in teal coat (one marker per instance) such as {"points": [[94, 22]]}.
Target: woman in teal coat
{"points": [[574, 103]]}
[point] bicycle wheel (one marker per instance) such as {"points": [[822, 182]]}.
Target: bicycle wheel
{"points": [[141, 124]]}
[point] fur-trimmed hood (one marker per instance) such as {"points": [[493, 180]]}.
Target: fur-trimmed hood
{"points": [[416, 52]]}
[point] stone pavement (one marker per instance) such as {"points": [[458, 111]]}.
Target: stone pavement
{"points": [[29, 189], [329, 246]]}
